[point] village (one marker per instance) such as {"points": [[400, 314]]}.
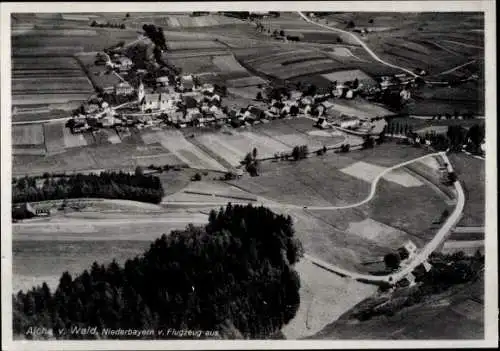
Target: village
{"points": [[181, 101]]}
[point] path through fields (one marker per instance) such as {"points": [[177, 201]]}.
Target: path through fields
{"points": [[362, 43]]}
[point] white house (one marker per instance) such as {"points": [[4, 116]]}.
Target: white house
{"points": [[123, 63], [349, 94], [351, 122], [405, 94], [427, 266], [410, 247]]}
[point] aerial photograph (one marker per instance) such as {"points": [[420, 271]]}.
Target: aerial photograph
{"points": [[248, 175]]}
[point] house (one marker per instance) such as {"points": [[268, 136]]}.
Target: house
{"points": [[207, 88], [124, 88], [162, 81], [349, 94], [427, 266], [322, 123], [187, 82], [79, 127], [350, 122], [405, 94], [108, 121], [410, 247], [123, 63]]}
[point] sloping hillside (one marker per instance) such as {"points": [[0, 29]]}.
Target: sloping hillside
{"points": [[456, 312]]}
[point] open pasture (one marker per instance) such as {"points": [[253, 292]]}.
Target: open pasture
{"points": [[175, 142]]}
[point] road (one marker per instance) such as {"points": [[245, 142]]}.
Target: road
{"points": [[362, 43], [419, 258], [391, 278]]}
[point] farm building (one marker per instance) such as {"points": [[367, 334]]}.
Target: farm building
{"points": [[123, 63], [411, 248], [23, 211], [350, 122], [405, 94], [162, 81], [124, 88], [187, 82]]}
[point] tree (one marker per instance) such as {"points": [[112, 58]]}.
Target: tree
{"points": [[392, 261], [355, 83], [259, 96], [197, 177], [351, 24], [254, 153], [139, 171], [367, 142]]}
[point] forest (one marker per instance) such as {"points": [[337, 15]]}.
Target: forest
{"points": [[111, 185], [235, 275]]}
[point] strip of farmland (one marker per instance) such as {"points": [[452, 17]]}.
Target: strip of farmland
{"points": [[194, 45]]}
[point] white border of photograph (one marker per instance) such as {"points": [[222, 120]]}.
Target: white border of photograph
{"points": [[491, 288]]}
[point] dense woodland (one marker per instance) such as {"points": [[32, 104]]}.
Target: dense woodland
{"points": [[111, 185], [236, 273]]}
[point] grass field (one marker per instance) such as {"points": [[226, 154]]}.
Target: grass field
{"points": [[471, 173], [27, 135], [175, 142]]}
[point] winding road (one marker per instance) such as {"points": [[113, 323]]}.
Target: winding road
{"points": [[392, 278], [360, 42]]}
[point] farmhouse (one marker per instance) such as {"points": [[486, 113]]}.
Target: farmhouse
{"points": [[123, 63], [349, 122], [405, 94]]}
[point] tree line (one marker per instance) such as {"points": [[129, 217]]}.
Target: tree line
{"points": [[238, 270], [111, 185]]}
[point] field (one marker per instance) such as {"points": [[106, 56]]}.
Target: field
{"points": [[269, 139], [471, 173], [27, 135], [290, 63], [404, 208], [193, 45], [210, 68], [344, 76], [358, 107], [457, 313], [118, 156], [56, 81], [320, 296], [175, 142]]}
